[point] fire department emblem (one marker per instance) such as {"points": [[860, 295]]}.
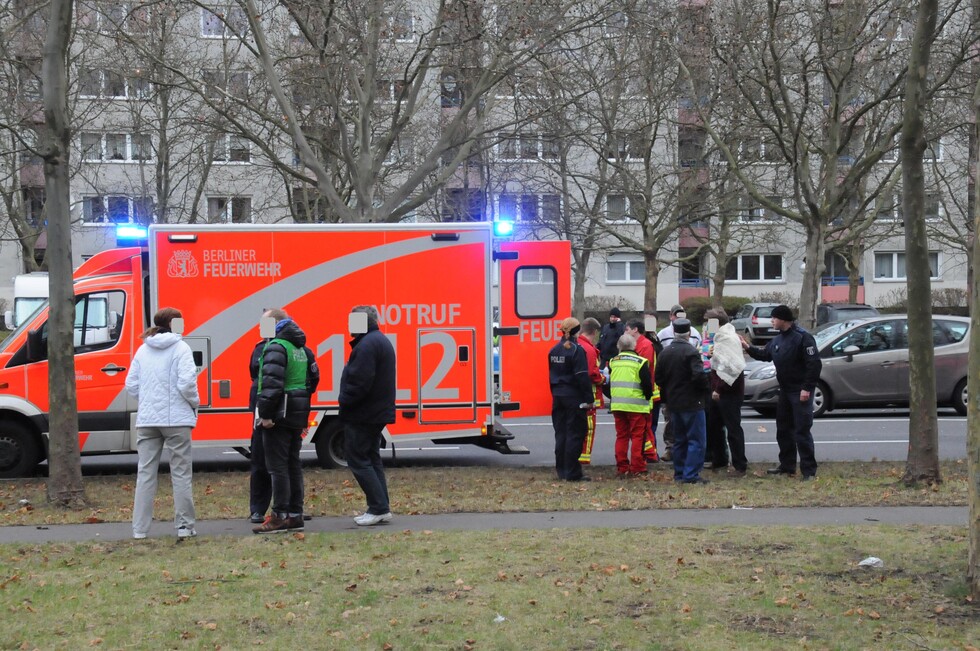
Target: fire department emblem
{"points": [[182, 265]]}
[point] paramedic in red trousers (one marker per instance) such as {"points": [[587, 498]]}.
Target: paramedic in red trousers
{"points": [[367, 405], [630, 390], [684, 388], [587, 339], [571, 398], [794, 353], [288, 377], [645, 349]]}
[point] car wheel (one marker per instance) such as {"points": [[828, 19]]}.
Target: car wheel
{"points": [[821, 399], [960, 397], [329, 444], [20, 450]]}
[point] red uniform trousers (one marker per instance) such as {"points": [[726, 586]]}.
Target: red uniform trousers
{"points": [[632, 429]]}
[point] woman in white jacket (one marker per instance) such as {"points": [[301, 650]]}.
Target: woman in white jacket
{"points": [[164, 379]]}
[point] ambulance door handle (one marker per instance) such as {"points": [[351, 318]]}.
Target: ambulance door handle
{"points": [[112, 369]]}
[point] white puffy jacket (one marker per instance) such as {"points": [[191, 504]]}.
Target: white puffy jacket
{"points": [[164, 379]]}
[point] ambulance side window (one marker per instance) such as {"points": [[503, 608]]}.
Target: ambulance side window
{"points": [[98, 320], [536, 292]]}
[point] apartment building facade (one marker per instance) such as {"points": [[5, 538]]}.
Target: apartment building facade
{"points": [[625, 127]]}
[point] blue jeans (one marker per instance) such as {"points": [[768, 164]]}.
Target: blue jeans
{"points": [[362, 447], [689, 440], [282, 446], [793, 421]]}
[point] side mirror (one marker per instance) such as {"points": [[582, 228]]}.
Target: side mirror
{"points": [[850, 352], [8, 319], [37, 346]]}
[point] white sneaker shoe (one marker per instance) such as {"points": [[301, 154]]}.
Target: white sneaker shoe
{"points": [[139, 536], [370, 519], [186, 532]]}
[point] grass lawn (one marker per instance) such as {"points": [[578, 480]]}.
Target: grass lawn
{"points": [[688, 588]]}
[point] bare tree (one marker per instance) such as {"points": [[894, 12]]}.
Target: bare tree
{"points": [[65, 478]]}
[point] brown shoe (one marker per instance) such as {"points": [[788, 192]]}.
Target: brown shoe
{"points": [[295, 523], [273, 524]]}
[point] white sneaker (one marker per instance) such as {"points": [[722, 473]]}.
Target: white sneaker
{"points": [[370, 519], [186, 532], [139, 536]]}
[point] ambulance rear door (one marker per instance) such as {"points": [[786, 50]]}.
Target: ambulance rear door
{"points": [[535, 295]]}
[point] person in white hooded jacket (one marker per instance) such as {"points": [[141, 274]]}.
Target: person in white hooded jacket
{"points": [[163, 378]]}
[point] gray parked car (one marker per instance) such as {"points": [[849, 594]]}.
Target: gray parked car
{"points": [[831, 312], [866, 364], [754, 321]]}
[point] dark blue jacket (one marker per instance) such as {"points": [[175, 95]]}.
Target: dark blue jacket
{"points": [[795, 354], [681, 378], [568, 372], [367, 385]]}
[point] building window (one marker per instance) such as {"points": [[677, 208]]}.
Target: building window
{"points": [[115, 147], [400, 27], [219, 84], [528, 207], [463, 205], [111, 17], [690, 147], [33, 206], [528, 147], [390, 90], [229, 148], [758, 150], [691, 267], [111, 84], [619, 209], [624, 268], [220, 22], [755, 267], [237, 210], [891, 265], [118, 209], [759, 214], [625, 146]]}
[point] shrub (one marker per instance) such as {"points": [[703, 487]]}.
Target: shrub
{"points": [[602, 304], [783, 298]]}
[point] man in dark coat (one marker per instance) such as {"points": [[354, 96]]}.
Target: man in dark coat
{"points": [[683, 387], [794, 353], [609, 337], [367, 404], [571, 398], [287, 379]]}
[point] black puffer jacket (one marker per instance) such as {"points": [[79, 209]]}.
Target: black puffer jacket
{"points": [[681, 377], [367, 386], [286, 408]]}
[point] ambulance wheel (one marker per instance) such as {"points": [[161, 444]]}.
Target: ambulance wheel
{"points": [[330, 445], [20, 450]]}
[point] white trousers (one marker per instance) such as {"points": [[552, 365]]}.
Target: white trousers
{"points": [[150, 442]]}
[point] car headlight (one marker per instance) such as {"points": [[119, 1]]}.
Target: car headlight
{"points": [[764, 373]]}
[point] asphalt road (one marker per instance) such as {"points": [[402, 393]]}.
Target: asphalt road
{"points": [[846, 435]]}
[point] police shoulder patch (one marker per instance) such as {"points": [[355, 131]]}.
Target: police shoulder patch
{"points": [[810, 350]]}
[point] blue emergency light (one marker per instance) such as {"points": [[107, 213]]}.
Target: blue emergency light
{"points": [[131, 235], [503, 228]]}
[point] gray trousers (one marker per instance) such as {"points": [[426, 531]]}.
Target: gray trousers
{"points": [[150, 442]]}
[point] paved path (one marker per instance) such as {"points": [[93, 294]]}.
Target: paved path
{"points": [[862, 515]]}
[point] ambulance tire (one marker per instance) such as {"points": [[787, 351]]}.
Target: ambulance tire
{"points": [[20, 450], [330, 445]]}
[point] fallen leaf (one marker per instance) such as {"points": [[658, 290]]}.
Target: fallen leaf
{"points": [[686, 608]]}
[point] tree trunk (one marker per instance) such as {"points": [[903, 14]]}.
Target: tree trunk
{"points": [[923, 458], [652, 277], [65, 475], [973, 407], [811, 277]]}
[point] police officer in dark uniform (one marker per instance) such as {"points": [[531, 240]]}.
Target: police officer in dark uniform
{"points": [[571, 398], [794, 353]]}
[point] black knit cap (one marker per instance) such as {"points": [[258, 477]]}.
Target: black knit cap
{"points": [[783, 313]]}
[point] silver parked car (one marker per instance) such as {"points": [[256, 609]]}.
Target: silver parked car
{"points": [[866, 364], [754, 322]]}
